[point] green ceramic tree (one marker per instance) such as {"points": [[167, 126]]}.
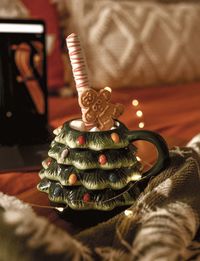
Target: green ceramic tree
{"points": [[90, 170]]}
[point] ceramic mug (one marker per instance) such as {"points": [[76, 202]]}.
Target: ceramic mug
{"points": [[97, 169]]}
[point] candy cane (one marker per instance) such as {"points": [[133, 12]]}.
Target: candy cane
{"points": [[78, 63], [78, 68]]}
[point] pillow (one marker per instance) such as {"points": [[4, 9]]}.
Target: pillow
{"points": [[12, 9], [46, 11], [130, 43]]}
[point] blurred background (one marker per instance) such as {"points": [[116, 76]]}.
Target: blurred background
{"points": [[148, 52], [125, 42]]}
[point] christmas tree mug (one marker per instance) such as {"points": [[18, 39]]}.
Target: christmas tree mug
{"points": [[97, 169]]}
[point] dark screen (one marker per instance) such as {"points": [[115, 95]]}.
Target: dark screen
{"points": [[23, 90]]}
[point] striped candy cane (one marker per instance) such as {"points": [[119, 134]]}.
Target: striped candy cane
{"points": [[78, 68]]}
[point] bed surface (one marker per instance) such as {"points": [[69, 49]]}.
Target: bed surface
{"points": [[172, 111]]}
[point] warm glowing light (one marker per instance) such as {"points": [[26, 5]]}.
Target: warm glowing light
{"points": [[135, 102], [141, 125], [137, 176], [138, 158], [8, 114], [139, 113], [108, 89], [21, 28], [128, 213], [59, 209]]}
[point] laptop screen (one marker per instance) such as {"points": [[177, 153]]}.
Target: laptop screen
{"points": [[23, 84]]}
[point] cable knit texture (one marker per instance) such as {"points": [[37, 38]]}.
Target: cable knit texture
{"points": [[144, 43], [13, 9]]}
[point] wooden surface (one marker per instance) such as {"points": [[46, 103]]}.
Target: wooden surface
{"points": [[172, 111]]}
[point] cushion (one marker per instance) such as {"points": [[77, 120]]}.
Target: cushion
{"points": [[46, 10], [130, 43], [12, 9]]}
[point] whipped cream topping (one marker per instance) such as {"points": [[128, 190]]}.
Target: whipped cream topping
{"points": [[80, 126]]}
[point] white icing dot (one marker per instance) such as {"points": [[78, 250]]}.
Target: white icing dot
{"points": [[64, 153]]}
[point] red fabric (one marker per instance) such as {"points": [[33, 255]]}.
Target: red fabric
{"points": [[173, 111], [46, 11]]}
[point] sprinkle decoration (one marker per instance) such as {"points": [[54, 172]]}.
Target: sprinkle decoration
{"points": [[81, 140], [102, 159], [86, 197], [115, 137], [112, 178], [48, 162], [72, 179], [64, 153]]}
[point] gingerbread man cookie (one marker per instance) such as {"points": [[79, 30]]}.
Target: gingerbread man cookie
{"points": [[98, 108]]}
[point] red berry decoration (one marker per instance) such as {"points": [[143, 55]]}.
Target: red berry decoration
{"points": [[81, 140], [64, 154], [86, 197], [102, 159]]}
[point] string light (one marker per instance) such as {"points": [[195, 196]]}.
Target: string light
{"points": [[8, 114], [60, 209], [108, 89], [135, 103], [136, 177], [141, 125], [128, 213], [138, 158], [139, 113]]}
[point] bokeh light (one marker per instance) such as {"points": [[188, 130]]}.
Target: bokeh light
{"points": [[135, 102], [139, 113], [141, 125]]}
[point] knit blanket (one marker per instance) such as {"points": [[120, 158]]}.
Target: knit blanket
{"points": [[162, 224]]}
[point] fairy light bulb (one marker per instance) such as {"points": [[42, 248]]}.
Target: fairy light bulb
{"points": [[108, 89], [139, 113], [141, 125], [138, 158], [128, 213], [135, 103], [60, 209], [8, 114], [137, 177]]}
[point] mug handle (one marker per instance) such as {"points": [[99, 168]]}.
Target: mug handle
{"points": [[160, 144]]}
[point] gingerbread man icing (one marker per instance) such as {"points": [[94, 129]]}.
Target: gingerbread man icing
{"points": [[98, 108]]}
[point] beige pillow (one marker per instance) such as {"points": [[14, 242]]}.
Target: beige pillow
{"points": [[130, 43], [13, 9]]}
